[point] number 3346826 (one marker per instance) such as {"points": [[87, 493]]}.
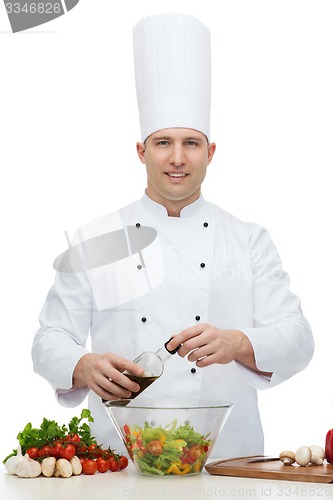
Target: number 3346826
{"points": [[33, 8]]}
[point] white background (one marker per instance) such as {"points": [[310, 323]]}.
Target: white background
{"points": [[69, 124]]}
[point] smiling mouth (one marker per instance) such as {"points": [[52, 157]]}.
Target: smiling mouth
{"points": [[176, 174]]}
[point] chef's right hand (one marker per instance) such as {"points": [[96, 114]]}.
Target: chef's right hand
{"points": [[102, 374]]}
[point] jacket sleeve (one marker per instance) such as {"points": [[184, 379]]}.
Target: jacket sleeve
{"points": [[281, 337], [66, 318], [64, 327]]}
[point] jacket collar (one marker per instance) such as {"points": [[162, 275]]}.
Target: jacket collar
{"points": [[191, 210]]}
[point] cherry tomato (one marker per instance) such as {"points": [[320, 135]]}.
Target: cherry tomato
{"points": [[155, 448], [92, 447], [102, 464], [196, 450], [33, 452], [74, 439], [68, 452], [45, 451], [114, 466], [106, 453], [57, 442], [82, 448], [55, 450], [95, 450], [123, 462], [89, 467]]}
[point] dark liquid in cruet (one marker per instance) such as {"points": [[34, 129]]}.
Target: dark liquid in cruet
{"points": [[143, 382]]}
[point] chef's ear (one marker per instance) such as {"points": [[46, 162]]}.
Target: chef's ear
{"points": [[211, 151], [141, 149]]}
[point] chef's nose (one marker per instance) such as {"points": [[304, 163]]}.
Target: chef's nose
{"points": [[177, 155]]}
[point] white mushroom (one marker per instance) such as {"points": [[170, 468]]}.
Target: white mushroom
{"points": [[317, 455], [63, 468], [303, 455], [287, 457], [48, 466], [76, 466]]}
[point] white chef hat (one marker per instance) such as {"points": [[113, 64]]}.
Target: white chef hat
{"points": [[172, 61]]}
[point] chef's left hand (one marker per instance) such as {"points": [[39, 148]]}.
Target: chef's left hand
{"points": [[206, 344]]}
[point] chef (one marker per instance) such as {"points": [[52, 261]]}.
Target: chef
{"points": [[173, 265]]}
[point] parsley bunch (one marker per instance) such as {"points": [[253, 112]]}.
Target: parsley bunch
{"points": [[50, 431]]}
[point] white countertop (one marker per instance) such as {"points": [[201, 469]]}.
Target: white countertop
{"points": [[129, 484]]}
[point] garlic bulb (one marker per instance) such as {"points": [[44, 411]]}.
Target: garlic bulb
{"points": [[12, 462], [28, 467]]}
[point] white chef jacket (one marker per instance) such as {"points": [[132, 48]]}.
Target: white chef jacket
{"points": [[214, 269]]}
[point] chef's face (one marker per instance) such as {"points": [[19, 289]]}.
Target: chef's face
{"points": [[176, 160]]}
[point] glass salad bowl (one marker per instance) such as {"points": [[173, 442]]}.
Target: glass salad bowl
{"points": [[168, 437]]}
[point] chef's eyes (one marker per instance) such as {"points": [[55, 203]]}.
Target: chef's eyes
{"points": [[168, 143]]}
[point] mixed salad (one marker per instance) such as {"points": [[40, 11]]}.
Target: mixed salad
{"points": [[169, 450]]}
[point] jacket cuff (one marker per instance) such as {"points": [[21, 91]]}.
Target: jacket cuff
{"points": [[254, 379], [71, 397]]}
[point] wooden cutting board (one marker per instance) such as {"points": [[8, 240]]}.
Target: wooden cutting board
{"points": [[271, 469]]}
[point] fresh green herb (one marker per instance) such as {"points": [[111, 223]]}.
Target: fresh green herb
{"points": [[76, 426], [50, 431], [32, 436]]}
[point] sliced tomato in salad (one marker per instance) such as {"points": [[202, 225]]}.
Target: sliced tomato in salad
{"points": [[155, 448]]}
